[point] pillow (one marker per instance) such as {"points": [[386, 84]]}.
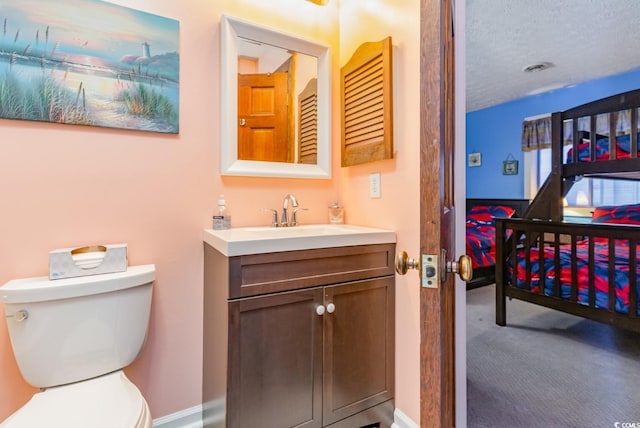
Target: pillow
{"points": [[623, 214], [489, 212]]}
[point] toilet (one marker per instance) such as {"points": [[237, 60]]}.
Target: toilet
{"points": [[71, 338]]}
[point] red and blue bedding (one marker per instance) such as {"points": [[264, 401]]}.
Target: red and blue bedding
{"points": [[481, 233], [623, 149], [619, 214], [623, 214], [601, 272]]}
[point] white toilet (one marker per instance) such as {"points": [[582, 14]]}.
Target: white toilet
{"points": [[71, 338]]}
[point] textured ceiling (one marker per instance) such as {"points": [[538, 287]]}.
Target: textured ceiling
{"points": [[584, 39]]}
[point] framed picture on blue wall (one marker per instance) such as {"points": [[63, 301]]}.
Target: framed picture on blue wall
{"points": [[475, 159], [510, 167]]}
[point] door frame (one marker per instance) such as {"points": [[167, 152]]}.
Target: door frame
{"points": [[442, 331], [460, 201]]}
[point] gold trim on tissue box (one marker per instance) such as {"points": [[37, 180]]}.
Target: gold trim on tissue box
{"points": [[74, 262], [91, 249]]}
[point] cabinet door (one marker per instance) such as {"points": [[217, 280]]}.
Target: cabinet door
{"points": [[359, 347], [275, 361]]}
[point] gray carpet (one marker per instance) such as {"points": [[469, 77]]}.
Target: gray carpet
{"points": [[548, 369]]}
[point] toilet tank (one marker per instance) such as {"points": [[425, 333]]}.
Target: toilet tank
{"points": [[77, 328]]}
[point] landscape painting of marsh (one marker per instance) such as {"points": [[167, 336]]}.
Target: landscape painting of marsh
{"points": [[88, 62]]}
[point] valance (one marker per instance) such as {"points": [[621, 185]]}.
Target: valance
{"points": [[536, 134]]}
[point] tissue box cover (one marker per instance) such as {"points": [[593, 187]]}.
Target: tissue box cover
{"points": [[63, 265]]}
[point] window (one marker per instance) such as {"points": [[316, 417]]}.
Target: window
{"points": [[586, 192]]}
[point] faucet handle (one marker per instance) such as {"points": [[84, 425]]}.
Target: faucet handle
{"points": [[294, 221], [274, 218]]}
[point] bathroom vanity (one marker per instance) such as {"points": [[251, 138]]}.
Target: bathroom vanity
{"points": [[299, 326]]}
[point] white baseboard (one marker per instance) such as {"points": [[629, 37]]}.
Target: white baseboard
{"points": [[187, 418], [400, 420], [192, 417], [216, 411]]}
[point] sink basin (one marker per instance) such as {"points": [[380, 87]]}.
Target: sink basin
{"points": [[255, 240], [306, 230]]}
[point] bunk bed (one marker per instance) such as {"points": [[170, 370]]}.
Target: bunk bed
{"points": [[481, 234], [588, 270]]}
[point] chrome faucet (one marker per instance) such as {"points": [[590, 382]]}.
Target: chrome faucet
{"points": [[284, 220]]}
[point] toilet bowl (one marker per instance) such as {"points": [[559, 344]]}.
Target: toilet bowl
{"points": [[107, 401], [72, 338]]}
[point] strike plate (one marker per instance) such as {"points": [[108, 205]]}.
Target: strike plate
{"points": [[429, 271]]}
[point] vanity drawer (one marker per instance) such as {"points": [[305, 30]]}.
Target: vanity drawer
{"points": [[257, 274]]}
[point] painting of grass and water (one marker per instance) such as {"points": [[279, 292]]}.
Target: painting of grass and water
{"points": [[88, 62]]}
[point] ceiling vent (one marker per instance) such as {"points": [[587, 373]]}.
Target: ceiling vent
{"points": [[534, 68]]}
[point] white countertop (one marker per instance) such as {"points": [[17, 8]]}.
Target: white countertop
{"points": [[256, 240]]}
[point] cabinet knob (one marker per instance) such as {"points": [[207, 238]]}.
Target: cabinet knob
{"points": [[320, 310], [331, 308]]}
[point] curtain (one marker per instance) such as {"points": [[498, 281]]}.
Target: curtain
{"points": [[536, 133]]}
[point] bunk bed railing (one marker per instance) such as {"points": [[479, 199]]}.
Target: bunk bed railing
{"points": [[610, 166], [536, 251], [624, 101]]}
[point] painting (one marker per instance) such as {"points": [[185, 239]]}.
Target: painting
{"points": [[89, 62], [474, 159], [510, 167]]}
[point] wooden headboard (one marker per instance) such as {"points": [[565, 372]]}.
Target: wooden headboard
{"points": [[520, 205]]}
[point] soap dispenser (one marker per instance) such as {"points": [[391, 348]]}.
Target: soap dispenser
{"points": [[222, 219]]}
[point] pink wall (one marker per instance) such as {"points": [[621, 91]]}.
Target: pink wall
{"points": [[64, 186], [399, 207]]}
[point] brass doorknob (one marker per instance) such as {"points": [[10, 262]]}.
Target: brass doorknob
{"points": [[462, 267], [404, 263]]}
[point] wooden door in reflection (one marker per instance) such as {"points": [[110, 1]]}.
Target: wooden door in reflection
{"points": [[262, 118]]}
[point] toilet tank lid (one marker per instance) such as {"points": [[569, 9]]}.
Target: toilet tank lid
{"points": [[42, 289]]}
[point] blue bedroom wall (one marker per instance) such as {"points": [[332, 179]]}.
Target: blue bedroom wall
{"points": [[495, 132]]}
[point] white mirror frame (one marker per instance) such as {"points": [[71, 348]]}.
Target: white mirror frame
{"points": [[231, 29]]}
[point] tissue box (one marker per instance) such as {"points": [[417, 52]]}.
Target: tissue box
{"points": [[92, 260]]}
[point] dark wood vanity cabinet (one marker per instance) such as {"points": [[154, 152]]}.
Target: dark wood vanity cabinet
{"points": [[275, 361], [311, 338], [359, 350]]}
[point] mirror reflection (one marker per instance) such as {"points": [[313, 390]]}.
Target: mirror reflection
{"points": [[262, 136], [277, 104]]}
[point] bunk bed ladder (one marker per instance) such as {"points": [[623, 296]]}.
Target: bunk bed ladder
{"points": [[541, 206], [547, 204]]}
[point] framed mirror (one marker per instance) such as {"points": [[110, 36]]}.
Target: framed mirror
{"points": [[298, 145]]}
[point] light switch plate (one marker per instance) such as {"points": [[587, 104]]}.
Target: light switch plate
{"points": [[374, 185]]}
